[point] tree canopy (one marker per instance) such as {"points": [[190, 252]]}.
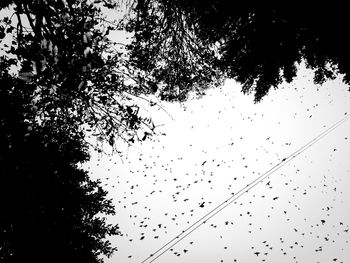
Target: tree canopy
{"points": [[58, 79], [49, 207], [259, 45], [80, 74]]}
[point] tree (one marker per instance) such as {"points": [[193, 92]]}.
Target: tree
{"points": [[259, 45], [168, 52], [80, 75], [70, 79], [49, 207]]}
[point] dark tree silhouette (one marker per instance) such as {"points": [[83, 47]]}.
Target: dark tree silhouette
{"points": [[63, 48], [50, 209], [183, 43], [174, 61]]}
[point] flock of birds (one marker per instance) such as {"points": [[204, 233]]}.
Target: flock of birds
{"points": [[215, 147]]}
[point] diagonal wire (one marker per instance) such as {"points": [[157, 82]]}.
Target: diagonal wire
{"points": [[241, 192]]}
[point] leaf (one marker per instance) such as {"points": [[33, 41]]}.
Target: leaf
{"points": [[81, 84]]}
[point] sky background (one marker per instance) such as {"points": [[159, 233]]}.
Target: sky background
{"points": [[213, 146]]}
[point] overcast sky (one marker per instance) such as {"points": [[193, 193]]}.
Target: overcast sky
{"points": [[214, 146]]}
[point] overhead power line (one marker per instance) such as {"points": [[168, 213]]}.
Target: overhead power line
{"points": [[241, 192]]}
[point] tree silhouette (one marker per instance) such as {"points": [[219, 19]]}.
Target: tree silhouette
{"points": [[50, 209], [259, 45], [63, 48]]}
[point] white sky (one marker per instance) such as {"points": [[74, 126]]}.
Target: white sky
{"points": [[160, 185]]}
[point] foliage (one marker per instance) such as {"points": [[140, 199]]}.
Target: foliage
{"points": [[70, 75], [81, 77], [171, 59], [70, 80], [50, 209], [259, 45]]}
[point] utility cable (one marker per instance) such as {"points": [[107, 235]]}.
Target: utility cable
{"points": [[241, 192]]}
